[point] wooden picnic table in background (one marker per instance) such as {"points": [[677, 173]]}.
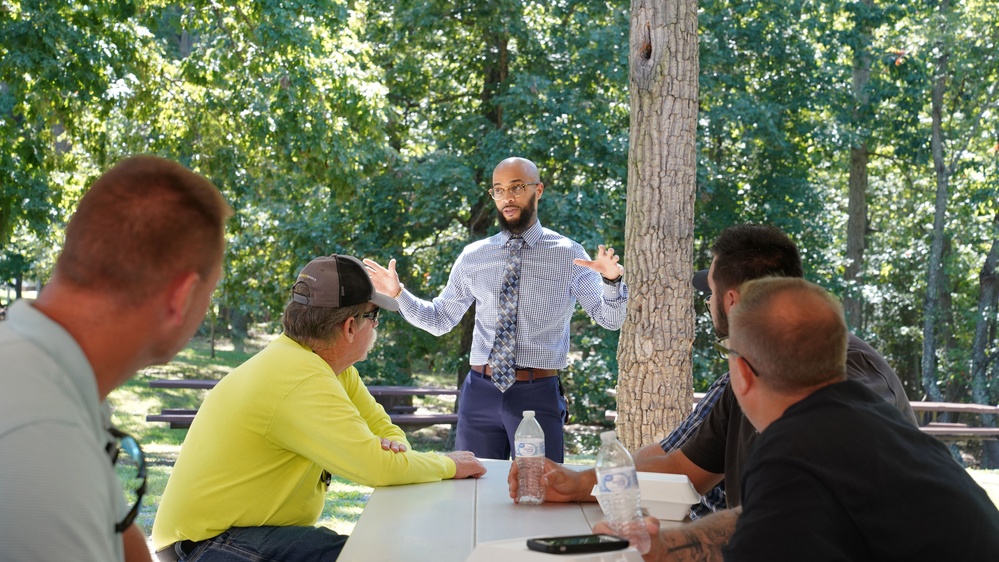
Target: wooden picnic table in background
{"points": [[397, 401], [927, 413]]}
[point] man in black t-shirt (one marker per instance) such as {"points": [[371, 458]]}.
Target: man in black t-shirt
{"points": [[723, 442], [835, 474]]}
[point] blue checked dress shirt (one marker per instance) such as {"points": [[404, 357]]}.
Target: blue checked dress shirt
{"points": [[715, 498], [550, 286]]}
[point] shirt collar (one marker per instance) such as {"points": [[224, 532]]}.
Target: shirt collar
{"points": [[50, 337], [531, 236]]}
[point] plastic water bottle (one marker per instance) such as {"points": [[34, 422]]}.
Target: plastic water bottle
{"points": [[529, 442], [617, 486]]}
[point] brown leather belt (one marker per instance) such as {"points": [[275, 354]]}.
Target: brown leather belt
{"points": [[522, 374]]}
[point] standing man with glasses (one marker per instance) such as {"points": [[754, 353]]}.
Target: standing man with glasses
{"points": [[525, 282], [251, 478], [141, 258]]}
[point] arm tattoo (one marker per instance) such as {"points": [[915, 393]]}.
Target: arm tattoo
{"points": [[701, 541]]}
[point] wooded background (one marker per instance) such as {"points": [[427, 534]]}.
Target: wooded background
{"points": [[868, 131]]}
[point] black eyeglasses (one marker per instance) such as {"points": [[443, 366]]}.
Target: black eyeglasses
{"points": [[725, 351], [514, 190], [131, 469], [373, 315]]}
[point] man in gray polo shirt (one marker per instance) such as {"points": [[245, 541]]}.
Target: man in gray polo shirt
{"points": [[141, 258]]}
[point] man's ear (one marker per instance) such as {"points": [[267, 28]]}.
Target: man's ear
{"points": [[349, 329], [742, 378], [180, 297], [541, 189], [730, 299]]}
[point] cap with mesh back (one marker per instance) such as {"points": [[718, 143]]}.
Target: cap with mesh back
{"points": [[700, 281], [338, 281]]}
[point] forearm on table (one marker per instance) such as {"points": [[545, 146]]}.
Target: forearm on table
{"points": [[700, 541]]}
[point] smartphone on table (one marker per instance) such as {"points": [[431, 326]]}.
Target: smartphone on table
{"points": [[577, 544]]}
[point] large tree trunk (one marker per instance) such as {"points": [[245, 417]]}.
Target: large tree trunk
{"points": [[931, 302], [654, 385], [856, 240], [982, 352], [856, 229]]}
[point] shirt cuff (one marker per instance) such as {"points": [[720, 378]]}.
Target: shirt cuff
{"points": [[406, 301], [615, 292]]}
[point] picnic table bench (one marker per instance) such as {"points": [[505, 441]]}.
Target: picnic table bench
{"points": [[397, 401], [927, 413]]}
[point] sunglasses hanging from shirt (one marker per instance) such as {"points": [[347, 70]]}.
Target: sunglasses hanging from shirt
{"points": [[130, 465]]}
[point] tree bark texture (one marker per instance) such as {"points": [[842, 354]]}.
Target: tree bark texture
{"points": [[931, 302], [856, 237], [983, 353], [856, 229], [654, 385]]}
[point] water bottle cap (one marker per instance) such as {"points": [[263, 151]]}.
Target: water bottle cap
{"points": [[528, 413], [608, 436]]}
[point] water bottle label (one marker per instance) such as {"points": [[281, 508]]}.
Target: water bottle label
{"points": [[531, 448], [617, 479]]}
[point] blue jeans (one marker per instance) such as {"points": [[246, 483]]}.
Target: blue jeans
{"points": [[270, 544], [488, 418]]}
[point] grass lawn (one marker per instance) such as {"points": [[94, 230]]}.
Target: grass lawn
{"points": [[345, 500]]}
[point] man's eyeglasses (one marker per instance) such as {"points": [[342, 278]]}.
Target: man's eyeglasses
{"points": [[514, 190], [131, 469], [373, 315], [725, 351]]}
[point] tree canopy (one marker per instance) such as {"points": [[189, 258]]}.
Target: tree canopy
{"points": [[371, 128]]}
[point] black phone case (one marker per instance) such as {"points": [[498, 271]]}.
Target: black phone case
{"points": [[577, 544]]}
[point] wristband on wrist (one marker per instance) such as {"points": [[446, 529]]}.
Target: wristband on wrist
{"points": [[401, 287], [614, 281]]}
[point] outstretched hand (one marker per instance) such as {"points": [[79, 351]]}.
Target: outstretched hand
{"points": [[606, 263], [386, 281]]}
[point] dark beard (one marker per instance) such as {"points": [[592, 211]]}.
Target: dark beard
{"points": [[524, 222], [721, 327]]}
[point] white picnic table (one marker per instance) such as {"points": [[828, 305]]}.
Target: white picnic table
{"points": [[444, 521]]}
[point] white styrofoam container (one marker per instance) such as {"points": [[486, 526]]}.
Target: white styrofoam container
{"points": [[664, 496], [667, 496]]}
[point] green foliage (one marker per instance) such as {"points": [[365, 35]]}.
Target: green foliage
{"points": [[371, 128]]}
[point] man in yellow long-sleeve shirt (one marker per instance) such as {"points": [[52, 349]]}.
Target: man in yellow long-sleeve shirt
{"points": [[251, 477]]}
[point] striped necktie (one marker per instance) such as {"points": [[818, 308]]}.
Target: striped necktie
{"points": [[503, 356]]}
